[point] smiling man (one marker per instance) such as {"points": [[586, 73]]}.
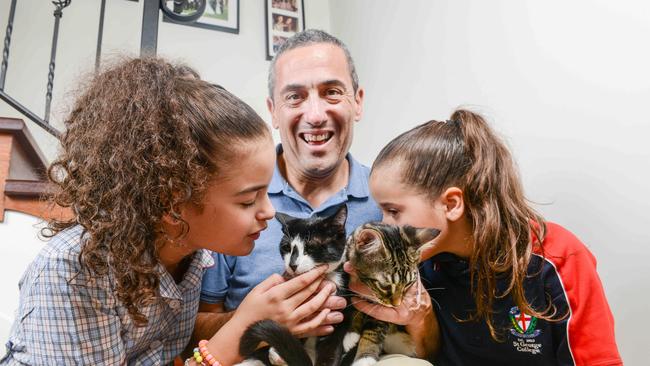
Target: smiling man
{"points": [[315, 101]]}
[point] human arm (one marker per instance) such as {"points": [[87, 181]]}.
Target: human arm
{"points": [[291, 303], [572, 280], [415, 313]]}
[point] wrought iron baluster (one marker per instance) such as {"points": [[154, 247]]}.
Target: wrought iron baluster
{"points": [[5, 50], [58, 13], [100, 35]]}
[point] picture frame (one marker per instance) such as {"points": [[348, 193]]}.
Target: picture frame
{"points": [[220, 15], [284, 18]]}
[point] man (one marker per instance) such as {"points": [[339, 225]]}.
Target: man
{"points": [[314, 100]]}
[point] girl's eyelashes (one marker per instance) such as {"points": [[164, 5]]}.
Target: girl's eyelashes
{"points": [[392, 212], [248, 204]]}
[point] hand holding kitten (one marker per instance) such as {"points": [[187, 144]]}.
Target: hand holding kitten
{"points": [[298, 303]]}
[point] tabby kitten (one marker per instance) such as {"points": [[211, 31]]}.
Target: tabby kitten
{"points": [[385, 258]]}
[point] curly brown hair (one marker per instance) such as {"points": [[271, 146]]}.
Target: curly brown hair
{"points": [[143, 138], [464, 152]]}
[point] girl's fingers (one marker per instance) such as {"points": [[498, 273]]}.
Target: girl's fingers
{"points": [[270, 282], [359, 288], [347, 267], [315, 303], [301, 282], [378, 312], [311, 324]]}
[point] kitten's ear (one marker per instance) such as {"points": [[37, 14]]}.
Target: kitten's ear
{"points": [[284, 219], [367, 239], [420, 236], [341, 215]]}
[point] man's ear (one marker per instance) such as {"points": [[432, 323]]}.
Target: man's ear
{"points": [[271, 108], [452, 199], [358, 98]]}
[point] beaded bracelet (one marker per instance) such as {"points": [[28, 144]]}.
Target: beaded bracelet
{"points": [[203, 357]]}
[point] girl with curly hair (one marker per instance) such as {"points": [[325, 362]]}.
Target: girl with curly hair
{"points": [[508, 287], [157, 167]]}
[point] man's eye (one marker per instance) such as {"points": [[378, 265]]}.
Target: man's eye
{"points": [[292, 97]]}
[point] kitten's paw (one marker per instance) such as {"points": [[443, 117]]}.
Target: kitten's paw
{"points": [[275, 358], [366, 361], [250, 362], [350, 341]]}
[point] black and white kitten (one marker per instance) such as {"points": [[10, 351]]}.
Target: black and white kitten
{"points": [[306, 244]]}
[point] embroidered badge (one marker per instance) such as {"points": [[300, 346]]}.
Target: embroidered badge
{"points": [[523, 324]]}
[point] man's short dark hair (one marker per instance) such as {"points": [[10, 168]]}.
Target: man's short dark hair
{"points": [[307, 38]]}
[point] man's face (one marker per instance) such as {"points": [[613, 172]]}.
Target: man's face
{"points": [[314, 107]]}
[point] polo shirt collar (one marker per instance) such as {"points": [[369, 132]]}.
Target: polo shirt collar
{"points": [[357, 181]]}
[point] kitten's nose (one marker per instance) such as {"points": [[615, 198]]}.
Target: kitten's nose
{"points": [[396, 301], [293, 259]]}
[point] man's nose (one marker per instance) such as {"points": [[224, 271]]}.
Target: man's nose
{"points": [[316, 114]]}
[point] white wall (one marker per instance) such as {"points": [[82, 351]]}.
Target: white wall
{"points": [[566, 82]]}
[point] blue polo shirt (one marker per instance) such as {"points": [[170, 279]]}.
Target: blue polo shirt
{"points": [[231, 278]]}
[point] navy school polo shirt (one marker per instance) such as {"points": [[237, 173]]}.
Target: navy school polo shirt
{"points": [[232, 278], [564, 274]]}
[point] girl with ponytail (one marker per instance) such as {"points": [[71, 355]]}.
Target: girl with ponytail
{"points": [[508, 287]]}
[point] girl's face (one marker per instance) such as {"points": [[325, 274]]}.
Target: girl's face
{"points": [[403, 205], [235, 206]]}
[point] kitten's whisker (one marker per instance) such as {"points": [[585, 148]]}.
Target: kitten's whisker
{"points": [[434, 288]]}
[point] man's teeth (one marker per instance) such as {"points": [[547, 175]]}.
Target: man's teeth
{"points": [[316, 138]]}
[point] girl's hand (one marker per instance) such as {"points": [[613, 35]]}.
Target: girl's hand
{"points": [[414, 309], [298, 303]]}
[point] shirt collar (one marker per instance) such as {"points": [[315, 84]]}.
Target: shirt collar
{"points": [[170, 289], [357, 181]]}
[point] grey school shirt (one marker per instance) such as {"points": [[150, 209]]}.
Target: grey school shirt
{"points": [[231, 278]]}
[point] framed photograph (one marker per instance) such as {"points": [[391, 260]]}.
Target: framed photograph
{"points": [[284, 18], [221, 15]]}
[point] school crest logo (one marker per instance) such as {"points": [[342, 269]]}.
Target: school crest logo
{"points": [[523, 324]]}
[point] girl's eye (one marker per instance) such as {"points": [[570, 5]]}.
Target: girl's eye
{"points": [[392, 212], [248, 204]]}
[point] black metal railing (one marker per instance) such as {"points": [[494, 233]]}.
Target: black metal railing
{"points": [[148, 45]]}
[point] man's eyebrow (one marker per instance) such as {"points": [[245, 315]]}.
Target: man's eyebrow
{"points": [[331, 82], [291, 87], [251, 189]]}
